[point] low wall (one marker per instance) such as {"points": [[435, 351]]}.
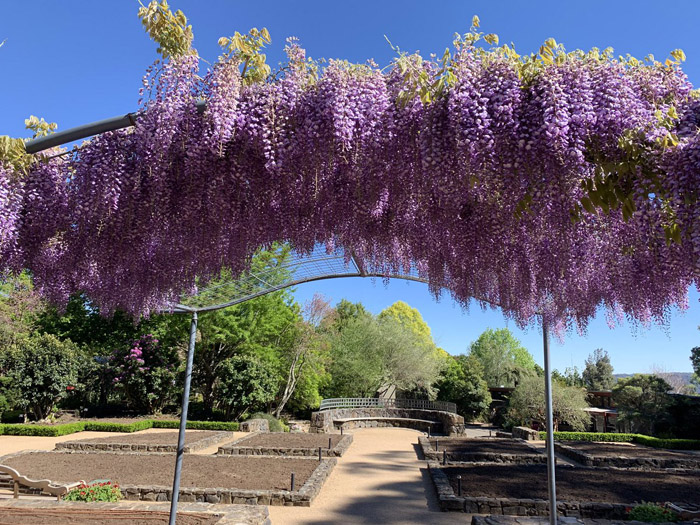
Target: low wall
{"points": [[255, 425], [239, 448], [143, 447], [322, 422], [449, 501], [525, 458], [590, 460], [528, 434]]}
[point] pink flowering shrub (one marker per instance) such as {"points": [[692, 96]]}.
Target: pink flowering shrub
{"points": [[146, 374]]}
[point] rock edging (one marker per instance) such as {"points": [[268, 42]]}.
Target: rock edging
{"points": [[85, 446], [239, 448], [430, 453]]}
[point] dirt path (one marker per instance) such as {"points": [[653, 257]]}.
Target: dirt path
{"points": [[379, 480]]}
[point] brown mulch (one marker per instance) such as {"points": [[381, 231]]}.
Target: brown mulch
{"points": [[153, 438], [240, 472], [628, 450], [576, 484], [290, 440], [28, 516], [474, 446]]}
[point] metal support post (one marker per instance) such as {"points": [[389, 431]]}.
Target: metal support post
{"points": [[551, 480], [183, 421]]}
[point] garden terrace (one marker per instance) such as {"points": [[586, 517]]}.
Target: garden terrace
{"points": [[582, 492], [495, 450], [213, 479], [328, 421], [288, 444], [627, 455], [157, 442]]}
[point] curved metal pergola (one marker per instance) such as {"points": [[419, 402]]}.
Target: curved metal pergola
{"points": [[299, 268]]}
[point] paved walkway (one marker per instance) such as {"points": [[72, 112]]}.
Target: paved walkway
{"points": [[379, 480]]}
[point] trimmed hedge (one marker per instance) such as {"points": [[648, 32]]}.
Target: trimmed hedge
{"points": [[650, 441], [22, 429], [591, 436], [680, 444], [99, 426], [231, 426]]}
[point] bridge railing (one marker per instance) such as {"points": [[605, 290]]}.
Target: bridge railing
{"points": [[380, 402]]}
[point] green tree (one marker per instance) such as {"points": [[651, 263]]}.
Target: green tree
{"points": [[527, 403], [504, 359], [570, 377], [20, 307], [642, 402], [408, 317], [38, 369], [345, 312], [146, 373], [598, 374], [245, 383], [370, 356], [265, 327], [462, 382], [695, 359]]}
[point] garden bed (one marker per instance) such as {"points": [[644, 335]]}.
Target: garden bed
{"points": [[213, 479], [581, 492], [495, 450], [286, 444], [37, 512], [149, 442], [626, 455]]}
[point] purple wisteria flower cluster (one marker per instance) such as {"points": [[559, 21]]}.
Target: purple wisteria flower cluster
{"points": [[480, 187]]}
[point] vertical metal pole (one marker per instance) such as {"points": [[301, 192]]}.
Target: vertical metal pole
{"points": [[183, 421], [551, 480]]}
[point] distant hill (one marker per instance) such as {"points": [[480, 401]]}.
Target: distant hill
{"points": [[682, 378]]}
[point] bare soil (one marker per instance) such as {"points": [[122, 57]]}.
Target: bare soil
{"points": [[160, 438], [28, 516], [474, 446], [576, 484], [240, 472], [629, 450], [290, 440]]}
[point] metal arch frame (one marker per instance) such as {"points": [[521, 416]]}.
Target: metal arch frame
{"points": [[129, 120]]}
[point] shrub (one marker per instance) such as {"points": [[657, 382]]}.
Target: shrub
{"points": [[146, 374], [42, 430], [591, 436], [651, 513], [231, 426], [105, 491], [98, 426], [275, 424], [245, 383], [681, 444], [39, 370]]}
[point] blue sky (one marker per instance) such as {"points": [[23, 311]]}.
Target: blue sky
{"points": [[74, 62]]}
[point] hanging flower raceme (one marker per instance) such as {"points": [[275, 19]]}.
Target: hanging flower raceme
{"points": [[551, 184]]}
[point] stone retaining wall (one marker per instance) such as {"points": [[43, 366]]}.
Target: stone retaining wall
{"points": [[255, 425], [322, 422], [430, 453], [86, 446], [299, 498], [590, 460], [528, 434], [517, 507], [239, 448]]}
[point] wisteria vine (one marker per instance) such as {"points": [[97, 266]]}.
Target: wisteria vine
{"points": [[555, 183]]}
